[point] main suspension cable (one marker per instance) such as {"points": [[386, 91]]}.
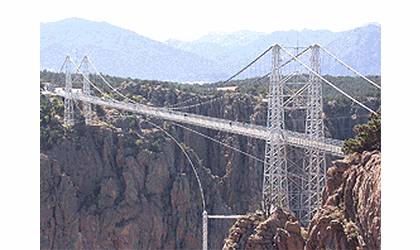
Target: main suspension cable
{"points": [[107, 83], [326, 81], [80, 71], [249, 64], [350, 68]]}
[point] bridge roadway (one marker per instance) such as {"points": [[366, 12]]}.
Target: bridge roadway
{"points": [[327, 145]]}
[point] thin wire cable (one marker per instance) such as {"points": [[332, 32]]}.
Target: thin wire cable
{"points": [[222, 143], [249, 64], [78, 69], [64, 63], [179, 103], [239, 72], [350, 68], [228, 146], [107, 83], [326, 81], [189, 160], [302, 53], [207, 137], [198, 104]]}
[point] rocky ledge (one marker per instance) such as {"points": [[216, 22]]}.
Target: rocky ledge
{"points": [[349, 217]]}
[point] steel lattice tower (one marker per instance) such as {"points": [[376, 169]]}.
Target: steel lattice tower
{"points": [[314, 161], [87, 108], [68, 100], [293, 179], [275, 182]]}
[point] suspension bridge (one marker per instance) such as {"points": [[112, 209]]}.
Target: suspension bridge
{"points": [[294, 185], [328, 145]]}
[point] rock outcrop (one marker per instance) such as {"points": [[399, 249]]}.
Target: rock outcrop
{"points": [[101, 190], [123, 184], [349, 217], [129, 180], [280, 231]]}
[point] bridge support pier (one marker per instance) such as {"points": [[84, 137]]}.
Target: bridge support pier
{"points": [[68, 99], [314, 161], [293, 178], [275, 182]]}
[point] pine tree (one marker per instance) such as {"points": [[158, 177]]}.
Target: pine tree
{"points": [[368, 136]]}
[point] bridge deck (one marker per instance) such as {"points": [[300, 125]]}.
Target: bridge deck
{"points": [[327, 145]]}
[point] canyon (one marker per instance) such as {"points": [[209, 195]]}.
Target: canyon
{"points": [[124, 184]]}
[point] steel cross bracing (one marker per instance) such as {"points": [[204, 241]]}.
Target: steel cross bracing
{"points": [[275, 175], [314, 161], [87, 107], [282, 164], [68, 101]]}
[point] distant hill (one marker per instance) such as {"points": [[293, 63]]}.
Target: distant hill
{"points": [[215, 45], [359, 47], [120, 52], [215, 56]]}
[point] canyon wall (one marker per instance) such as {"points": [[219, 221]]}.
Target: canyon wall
{"points": [[123, 184], [349, 217]]}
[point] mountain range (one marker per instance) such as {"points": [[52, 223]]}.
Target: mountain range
{"points": [[213, 57]]}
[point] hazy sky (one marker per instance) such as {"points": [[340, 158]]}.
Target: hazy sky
{"points": [[189, 20]]}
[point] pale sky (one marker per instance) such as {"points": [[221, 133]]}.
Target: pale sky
{"points": [[189, 20]]}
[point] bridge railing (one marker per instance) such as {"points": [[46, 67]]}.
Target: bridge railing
{"points": [[297, 139], [324, 144], [194, 119]]}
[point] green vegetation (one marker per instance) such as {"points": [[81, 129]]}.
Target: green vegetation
{"points": [[340, 113], [350, 230], [51, 126], [368, 136], [115, 81], [355, 86]]}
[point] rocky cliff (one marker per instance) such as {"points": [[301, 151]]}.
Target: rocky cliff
{"points": [[280, 230], [123, 184], [99, 190], [349, 217]]}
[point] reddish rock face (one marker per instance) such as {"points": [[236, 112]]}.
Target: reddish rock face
{"points": [[101, 188], [107, 195], [110, 184], [349, 218], [279, 231]]}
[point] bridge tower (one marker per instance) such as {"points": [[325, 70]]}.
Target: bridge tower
{"points": [[314, 161], [293, 179], [68, 99], [275, 182], [87, 107]]}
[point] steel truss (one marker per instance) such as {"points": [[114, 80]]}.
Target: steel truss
{"points": [[275, 182], [82, 74], [87, 107], [68, 99], [293, 178]]}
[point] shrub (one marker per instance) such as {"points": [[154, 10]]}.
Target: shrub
{"points": [[368, 136], [139, 142], [155, 147], [51, 126]]}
